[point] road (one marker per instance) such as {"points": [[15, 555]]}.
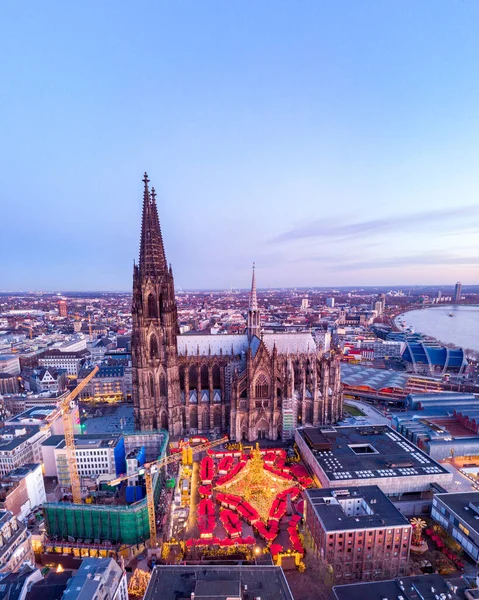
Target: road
{"points": [[370, 413], [460, 482]]}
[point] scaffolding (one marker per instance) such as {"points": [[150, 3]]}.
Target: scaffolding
{"points": [[100, 524], [123, 525]]}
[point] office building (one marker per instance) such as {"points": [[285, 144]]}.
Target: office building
{"points": [[97, 455], [458, 514], [417, 587], [45, 416], [330, 302], [9, 363], [22, 490], [62, 308], [31, 476], [232, 582], [369, 455], [457, 292], [358, 531]]}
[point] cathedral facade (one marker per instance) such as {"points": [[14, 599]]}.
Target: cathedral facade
{"points": [[251, 386]]}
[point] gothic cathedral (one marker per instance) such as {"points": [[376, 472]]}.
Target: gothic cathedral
{"points": [[252, 386]]}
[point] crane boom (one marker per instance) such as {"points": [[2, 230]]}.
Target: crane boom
{"points": [[70, 436], [167, 460], [147, 468]]}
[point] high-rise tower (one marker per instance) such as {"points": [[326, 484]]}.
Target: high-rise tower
{"points": [[155, 327], [254, 318], [457, 293]]}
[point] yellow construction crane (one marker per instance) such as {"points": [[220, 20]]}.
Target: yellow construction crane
{"points": [[29, 327], [148, 469], [65, 407]]}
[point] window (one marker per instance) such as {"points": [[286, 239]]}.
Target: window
{"points": [[154, 347], [363, 449], [261, 389], [463, 529], [152, 306]]}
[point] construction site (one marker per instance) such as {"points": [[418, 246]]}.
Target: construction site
{"points": [[112, 518], [109, 514]]}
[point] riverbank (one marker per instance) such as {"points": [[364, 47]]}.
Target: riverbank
{"points": [[435, 323]]}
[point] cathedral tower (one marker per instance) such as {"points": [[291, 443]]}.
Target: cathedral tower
{"points": [[156, 394], [254, 320]]}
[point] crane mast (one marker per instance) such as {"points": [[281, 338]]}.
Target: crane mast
{"points": [[70, 436]]}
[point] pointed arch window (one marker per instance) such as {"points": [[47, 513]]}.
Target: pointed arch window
{"points": [[164, 420], [261, 388], [204, 376], [193, 377], [182, 377], [193, 418], [154, 352], [216, 377], [205, 420], [152, 306], [152, 386], [217, 416]]}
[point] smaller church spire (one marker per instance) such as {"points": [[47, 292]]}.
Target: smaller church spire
{"points": [[253, 300], [254, 318]]}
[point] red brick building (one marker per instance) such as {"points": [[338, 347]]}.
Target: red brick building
{"points": [[358, 531]]}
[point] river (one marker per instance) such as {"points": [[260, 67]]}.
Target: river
{"points": [[462, 329]]}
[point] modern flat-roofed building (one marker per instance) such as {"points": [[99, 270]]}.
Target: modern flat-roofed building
{"points": [[45, 416], [424, 587], [369, 455], [458, 514], [9, 363], [358, 531], [96, 454], [22, 490], [230, 582], [457, 292], [32, 475]]}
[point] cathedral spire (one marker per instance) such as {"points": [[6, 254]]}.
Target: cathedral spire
{"points": [[152, 252], [253, 327]]}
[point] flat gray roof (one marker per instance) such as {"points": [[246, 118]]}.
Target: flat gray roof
{"points": [[217, 582], [367, 452], [465, 505], [328, 506]]}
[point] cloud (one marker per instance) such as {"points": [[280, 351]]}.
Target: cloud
{"points": [[418, 260], [325, 228]]}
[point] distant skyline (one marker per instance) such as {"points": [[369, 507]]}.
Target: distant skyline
{"points": [[334, 144]]}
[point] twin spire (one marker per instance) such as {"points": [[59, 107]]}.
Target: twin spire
{"points": [[152, 251]]}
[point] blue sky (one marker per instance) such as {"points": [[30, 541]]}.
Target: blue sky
{"points": [[334, 143]]}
